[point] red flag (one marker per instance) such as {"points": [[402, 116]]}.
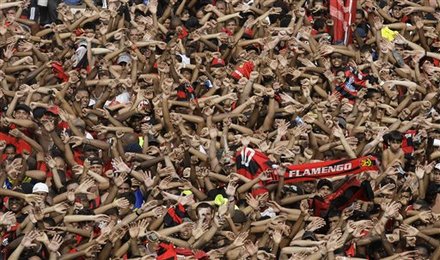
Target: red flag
{"points": [[319, 170], [352, 190], [343, 15], [250, 163]]}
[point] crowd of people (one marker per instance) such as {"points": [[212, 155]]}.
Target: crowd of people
{"points": [[168, 129]]}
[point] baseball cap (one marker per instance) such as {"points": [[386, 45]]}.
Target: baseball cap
{"points": [[96, 160], [23, 107], [218, 62], [124, 57], [53, 109], [40, 187]]}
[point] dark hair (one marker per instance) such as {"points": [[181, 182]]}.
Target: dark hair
{"points": [[371, 92], [11, 146], [285, 21], [324, 182], [359, 215], [359, 11], [333, 213], [85, 211], [394, 136], [90, 25], [204, 205], [129, 196], [319, 24]]}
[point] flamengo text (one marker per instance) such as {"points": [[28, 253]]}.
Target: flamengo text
{"points": [[320, 170]]}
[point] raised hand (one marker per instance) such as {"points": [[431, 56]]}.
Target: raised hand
{"points": [[84, 187], [200, 230], [134, 229], [315, 224], [142, 226], [76, 141], [29, 238], [392, 209], [120, 166], [8, 219], [251, 201], [231, 188], [122, 203], [55, 243], [148, 181], [335, 241], [409, 231], [240, 239], [120, 179]]}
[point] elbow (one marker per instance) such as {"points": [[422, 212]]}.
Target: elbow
{"points": [[103, 185]]}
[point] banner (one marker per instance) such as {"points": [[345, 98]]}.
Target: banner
{"points": [[250, 163], [328, 169], [343, 15]]}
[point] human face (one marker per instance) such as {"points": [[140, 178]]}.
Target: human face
{"points": [[231, 26], [60, 164], [366, 57], [436, 176], [333, 221], [21, 114], [15, 205], [10, 153], [336, 60], [125, 187], [41, 194], [221, 7], [96, 168], [187, 75], [358, 19], [10, 14], [125, 211], [340, 77], [324, 191], [376, 97], [199, 14], [395, 145], [205, 215], [397, 12], [185, 233], [83, 97], [167, 23], [134, 35], [308, 187], [405, 198]]}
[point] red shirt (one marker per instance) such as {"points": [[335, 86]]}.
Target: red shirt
{"points": [[20, 144]]}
